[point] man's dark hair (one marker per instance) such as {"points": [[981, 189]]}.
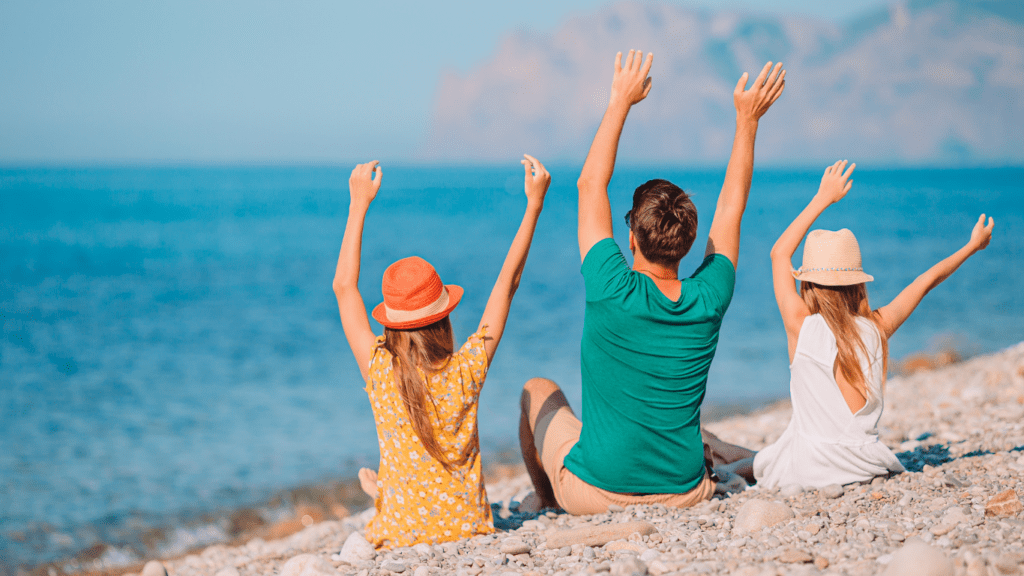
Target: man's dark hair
{"points": [[663, 221]]}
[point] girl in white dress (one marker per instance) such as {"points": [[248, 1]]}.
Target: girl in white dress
{"points": [[838, 349]]}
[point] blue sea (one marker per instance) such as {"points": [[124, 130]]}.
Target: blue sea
{"points": [[171, 342]]}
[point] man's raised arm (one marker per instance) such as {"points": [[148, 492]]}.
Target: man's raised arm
{"points": [[629, 86], [750, 106]]}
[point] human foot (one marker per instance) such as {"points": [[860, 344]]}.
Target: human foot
{"points": [[730, 483], [368, 482]]}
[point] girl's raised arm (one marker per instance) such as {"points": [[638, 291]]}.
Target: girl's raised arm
{"points": [[834, 185], [496, 312], [363, 185], [896, 312]]}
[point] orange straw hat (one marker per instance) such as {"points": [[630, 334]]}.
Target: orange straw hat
{"points": [[832, 259], [414, 295]]}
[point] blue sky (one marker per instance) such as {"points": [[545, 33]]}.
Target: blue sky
{"points": [[253, 81]]}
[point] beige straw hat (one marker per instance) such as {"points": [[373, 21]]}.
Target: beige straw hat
{"points": [[832, 259]]}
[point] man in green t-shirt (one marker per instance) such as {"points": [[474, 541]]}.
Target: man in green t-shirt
{"points": [[648, 337]]}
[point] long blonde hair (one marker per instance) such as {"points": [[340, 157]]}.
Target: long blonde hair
{"points": [[428, 348], [840, 306]]}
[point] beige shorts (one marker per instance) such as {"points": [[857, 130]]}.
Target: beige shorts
{"points": [[575, 496]]}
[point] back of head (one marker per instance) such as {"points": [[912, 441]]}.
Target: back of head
{"points": [[840, 306], [663, 221], [428, 348]]}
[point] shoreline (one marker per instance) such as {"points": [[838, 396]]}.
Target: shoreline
{"points": [[315, 516]]}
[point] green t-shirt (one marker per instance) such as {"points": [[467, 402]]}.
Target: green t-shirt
{"points": [[645, 362]]}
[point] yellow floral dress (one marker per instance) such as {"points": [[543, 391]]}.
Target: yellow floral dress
{"points": [[417, 499]]}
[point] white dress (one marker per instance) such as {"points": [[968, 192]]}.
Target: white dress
{"points": [[825, 443]]}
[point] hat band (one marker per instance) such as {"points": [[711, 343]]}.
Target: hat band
{"points": [[801, 270], [411, 315]]}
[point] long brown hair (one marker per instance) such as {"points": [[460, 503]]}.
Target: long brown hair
{"points": [[428, 348], [840, 306]]}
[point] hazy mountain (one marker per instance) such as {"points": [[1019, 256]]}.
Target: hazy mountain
{"points": [[928, 81]]}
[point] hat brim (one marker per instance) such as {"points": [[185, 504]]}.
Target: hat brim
{"points": [[834, 277], [454, 297]]}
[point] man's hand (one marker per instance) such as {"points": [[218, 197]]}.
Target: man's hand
{"points": [[981, 235], [537, 181], [364, 183], [752, 104], [835, 183], [631, 83]]}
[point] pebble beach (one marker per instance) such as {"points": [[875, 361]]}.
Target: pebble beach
{"points": [[959, 430]]}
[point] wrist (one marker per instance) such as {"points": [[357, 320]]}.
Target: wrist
{"points": [[618, 105], [357, 206], [534, 206], [745, 121]]}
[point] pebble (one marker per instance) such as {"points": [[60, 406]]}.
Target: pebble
{"points": [[793, 556], [308, 565], [792, 490], [916, 558], [630, 566], [355, 550], [832, 491], [229, 571], [756, 514], [599, 535], [421, 571], [515, 546], [154, 568], [1004, 504], [392, 566]]}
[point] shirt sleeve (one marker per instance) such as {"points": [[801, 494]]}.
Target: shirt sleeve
{"points": [[718, 279], [473, 357], [605, 271]]}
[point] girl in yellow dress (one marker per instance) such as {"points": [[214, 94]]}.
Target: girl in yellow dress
{"points": [[423, 392]]}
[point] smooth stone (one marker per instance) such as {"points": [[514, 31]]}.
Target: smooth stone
{"points": [[533, 526], [630, 566], [615, 508], [356, 549], [756, 514], [423, 549], [832, 491], [620, 545], [515, 546], [392, 566], [791, 490], [421, 571], [916, 558], [649, 554], [599, 535], [1004, 504], [154, 568], [308, 565], [793, 556], [229, 571]]}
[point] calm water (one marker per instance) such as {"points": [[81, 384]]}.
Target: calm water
{"points": [[171, 342]]}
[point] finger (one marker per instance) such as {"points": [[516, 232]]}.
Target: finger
{"points": [[840, 168], [629, 60], [527, 168], [759, 81], [647, 86], [981, 220], [647, 64], [618, 62], [777, 87], [774, 76], [536, 163], [782, 86], [742, 84], [849, 170], [378, 173], [848, 186]]}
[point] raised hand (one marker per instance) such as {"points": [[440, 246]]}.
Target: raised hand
{"points": [[364, 183], [631, 83], [835, 183], [753, 103], [982, 234], [537, 180]]}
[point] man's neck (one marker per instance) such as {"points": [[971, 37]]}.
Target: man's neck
{"points": [[655, 271]]}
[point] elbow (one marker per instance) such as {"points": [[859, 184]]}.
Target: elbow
{"points": [[339, 285], [583, 183]]}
